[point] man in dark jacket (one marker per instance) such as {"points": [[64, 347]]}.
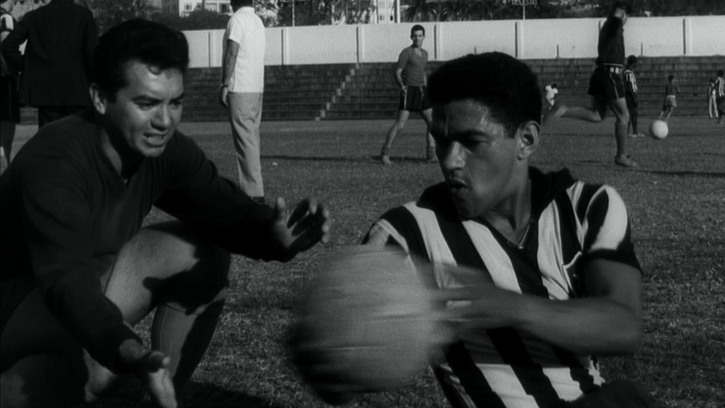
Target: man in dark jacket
{"points": [[78, 268], [57, 61]]}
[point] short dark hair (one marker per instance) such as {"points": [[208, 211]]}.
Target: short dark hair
{"points": [[631, 60], [499, 81], [240, 3], [622, 5], [417, 27], [720, 72], [137, 40], [671, 77]]}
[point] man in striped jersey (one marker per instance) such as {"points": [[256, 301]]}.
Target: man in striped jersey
{"points": [[558, 278], [630, 95]]}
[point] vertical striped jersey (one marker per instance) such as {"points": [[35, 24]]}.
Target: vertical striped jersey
{"points": [[630, 82], [571, 224]]}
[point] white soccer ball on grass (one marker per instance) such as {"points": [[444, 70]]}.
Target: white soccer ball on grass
{"points": [[658, 129]]}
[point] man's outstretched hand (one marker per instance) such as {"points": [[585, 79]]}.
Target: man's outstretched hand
{"points": [[301, 227], [152, 367]]}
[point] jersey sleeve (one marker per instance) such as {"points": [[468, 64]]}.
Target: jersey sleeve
{"points": [[214, 205], [606, 229], [6, 23], [236, 30], [11, 46], [403, 58], [65, 268]]}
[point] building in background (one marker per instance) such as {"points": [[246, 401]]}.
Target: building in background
{"points": [[185, 7], [23, 6]]}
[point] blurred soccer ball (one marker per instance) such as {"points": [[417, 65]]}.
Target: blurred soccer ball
{"points": [[658, 129], [367, 319]]}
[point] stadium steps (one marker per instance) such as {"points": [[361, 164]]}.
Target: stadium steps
{"points": [[369, 91]]}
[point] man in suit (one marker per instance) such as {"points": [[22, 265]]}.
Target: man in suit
{"points": [[56, 65]]}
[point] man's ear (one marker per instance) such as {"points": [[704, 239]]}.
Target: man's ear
{"points": [[98, 98], [528, 139]]}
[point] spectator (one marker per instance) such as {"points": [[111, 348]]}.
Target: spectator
{"points": [[242, 91], [56, 65], [9, 109]]}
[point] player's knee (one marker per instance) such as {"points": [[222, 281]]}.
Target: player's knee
{"points": [[206, 281], [623, 117], [215, 261]]}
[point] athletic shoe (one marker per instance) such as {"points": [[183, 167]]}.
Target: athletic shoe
{"points": [[385, 159], [624, 161]]}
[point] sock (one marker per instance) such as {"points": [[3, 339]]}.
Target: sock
{"points": [[184, 337]]}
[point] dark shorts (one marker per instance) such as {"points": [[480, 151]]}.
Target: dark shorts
{"points": [[721, 102], [414, 99], [607, 83], [670, 101]]}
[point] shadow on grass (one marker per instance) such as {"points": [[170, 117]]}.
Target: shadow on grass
{"points": [[362, 159], [317, 158], [212, 395], [196, 394], [687, 173]]}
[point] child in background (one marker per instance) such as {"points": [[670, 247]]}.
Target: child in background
{"points": [[671, 92]]}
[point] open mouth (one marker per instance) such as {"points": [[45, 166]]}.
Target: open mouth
{"points": [[155, 139]]}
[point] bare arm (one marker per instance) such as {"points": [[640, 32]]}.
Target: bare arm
{"points": [[608, 321], [230, 58], [399, 77]]}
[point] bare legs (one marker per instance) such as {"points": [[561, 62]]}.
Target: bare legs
{"points": [[164, 268], [394, 130], [596, 114]]}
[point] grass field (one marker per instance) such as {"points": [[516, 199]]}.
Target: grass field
{"points": [[676, 201]]}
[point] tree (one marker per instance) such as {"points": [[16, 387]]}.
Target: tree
{"points": [[111, 12], [421, 10], [197, 20]]}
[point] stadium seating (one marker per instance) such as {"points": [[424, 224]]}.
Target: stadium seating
{"points": [[369, 91]]}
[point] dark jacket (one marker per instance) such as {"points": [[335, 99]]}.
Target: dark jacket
{"points": [[57, 62]]}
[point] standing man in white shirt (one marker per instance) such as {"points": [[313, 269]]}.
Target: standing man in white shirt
{"points": [[242, 89]]}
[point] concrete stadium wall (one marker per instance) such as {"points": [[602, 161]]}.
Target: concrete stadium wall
{"points": [[529, 39]]}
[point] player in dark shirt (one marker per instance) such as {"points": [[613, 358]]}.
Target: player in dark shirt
{"points": [[606, 85], [77, 270], [410, 75]]}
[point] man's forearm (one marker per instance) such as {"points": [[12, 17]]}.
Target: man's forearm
{"points": [[230, 58]]}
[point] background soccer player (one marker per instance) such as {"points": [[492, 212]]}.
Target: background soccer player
{"points": [[606, 85], [410, 74]]}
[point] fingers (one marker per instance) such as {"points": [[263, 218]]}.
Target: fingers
{"points": [[304, 207], [156, 360], [310, 223], [280, 210]]}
